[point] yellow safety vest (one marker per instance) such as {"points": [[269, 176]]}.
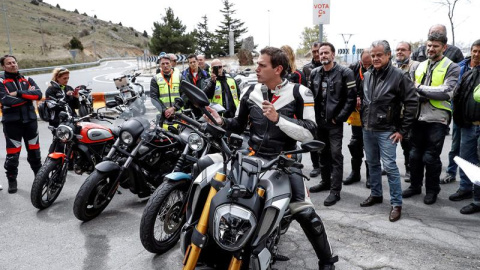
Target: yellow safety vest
{"points": [[168, 91], [438, 78], [217, 96]]}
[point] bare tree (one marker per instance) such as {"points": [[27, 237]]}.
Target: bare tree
{"points": [[450, 4]]}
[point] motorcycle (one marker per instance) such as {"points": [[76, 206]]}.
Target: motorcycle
{"points": [[83, 143], [164, 214], [139, 160], [86, 100], [131, 99], [238, 208]]}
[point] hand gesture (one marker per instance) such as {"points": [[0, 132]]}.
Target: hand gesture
{"points": [[215, 115]]}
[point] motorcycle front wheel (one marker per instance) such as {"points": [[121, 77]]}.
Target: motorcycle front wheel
{"points": [[48, 184], [163, 218], [92, 197]]}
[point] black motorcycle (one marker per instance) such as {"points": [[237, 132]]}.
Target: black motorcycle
{"points": [[139, 160]]}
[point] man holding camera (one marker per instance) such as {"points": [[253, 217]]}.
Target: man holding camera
{"points": [[222, 89]]}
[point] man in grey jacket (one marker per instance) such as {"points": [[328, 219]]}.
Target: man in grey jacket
{"points": [[435, 80]]}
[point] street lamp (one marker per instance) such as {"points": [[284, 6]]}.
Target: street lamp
{"points": [[6, 26]]}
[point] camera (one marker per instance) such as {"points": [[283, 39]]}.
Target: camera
{"points": [[215, 70]]}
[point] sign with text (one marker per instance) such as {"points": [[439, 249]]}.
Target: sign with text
{"points": [[321, 12]]}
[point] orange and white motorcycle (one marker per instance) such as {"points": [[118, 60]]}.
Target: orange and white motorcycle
{"points": [[83, 144]]}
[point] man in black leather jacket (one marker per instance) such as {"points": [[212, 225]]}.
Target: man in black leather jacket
{"points": [[335, 98], [307, 69], [385, 89], [280, 114]]}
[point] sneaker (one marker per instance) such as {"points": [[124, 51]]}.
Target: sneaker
{"points": [[315, 172], [470, 209], [461, 195], [332, 199], [447, 179]]}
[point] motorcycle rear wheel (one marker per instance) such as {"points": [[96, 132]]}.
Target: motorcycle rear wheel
{"points": [[92, 197], [48, 184], [163, 218]]}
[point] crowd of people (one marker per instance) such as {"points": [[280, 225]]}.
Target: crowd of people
{"points": [[387, 98]]}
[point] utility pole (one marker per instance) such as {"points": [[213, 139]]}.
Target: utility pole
{"points": [[346, 39], [4, 9], [93, 35]]}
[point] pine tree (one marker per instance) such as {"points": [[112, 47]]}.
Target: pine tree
{"points": [[308, 37], [229, 23], [169, 36], [204, 38], [145, 34]]}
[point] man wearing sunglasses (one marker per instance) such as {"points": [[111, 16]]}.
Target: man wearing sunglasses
{"points": [[222, 89]]}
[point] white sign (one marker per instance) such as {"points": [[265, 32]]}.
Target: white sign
{"points": [[321, 12]]}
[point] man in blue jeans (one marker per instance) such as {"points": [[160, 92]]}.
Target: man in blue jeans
{"points": [[466, 115], [386, 90]]}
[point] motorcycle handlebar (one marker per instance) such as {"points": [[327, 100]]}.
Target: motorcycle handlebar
{"points": [[187, 119]]}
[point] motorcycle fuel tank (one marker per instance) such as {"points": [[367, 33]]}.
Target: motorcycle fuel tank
{"points": [[92, 133]]}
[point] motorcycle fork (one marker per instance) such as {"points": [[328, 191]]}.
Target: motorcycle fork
{"points": [[123, 169], [193, 251]]}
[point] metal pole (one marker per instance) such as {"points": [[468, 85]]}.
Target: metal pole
{"points": [[320, 36], [6, 26], [44, 46]]}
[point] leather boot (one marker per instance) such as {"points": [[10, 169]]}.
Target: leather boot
{"points": [[355, 174], [313, 228], [12, 185]]}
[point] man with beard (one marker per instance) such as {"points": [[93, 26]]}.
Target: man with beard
{"points": [[435, 80], [335, 98], [307, 69], [403, 62]]}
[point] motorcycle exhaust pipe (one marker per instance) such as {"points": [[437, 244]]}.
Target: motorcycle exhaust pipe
{"points": [[193, 251]]}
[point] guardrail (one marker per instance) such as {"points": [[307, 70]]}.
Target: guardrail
{"points": [[80, 65]]}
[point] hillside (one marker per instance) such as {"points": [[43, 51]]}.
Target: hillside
{"points": [[27, 21]]}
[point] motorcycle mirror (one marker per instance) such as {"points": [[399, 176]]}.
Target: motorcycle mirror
{"points": [[311, 146], [198, 98], [111, 104]]}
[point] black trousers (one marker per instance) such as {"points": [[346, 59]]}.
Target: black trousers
{"points": [[14, 133], [427, 142], [331, 157]]}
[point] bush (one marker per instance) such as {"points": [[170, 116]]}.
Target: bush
{"points": [[76, 11], [35, 2], [115, 29], [120, 23], [76, 44], [136, 34], [58, 6], [145, 34]]}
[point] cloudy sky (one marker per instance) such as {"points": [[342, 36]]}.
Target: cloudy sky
{"points": [[281, 22]]}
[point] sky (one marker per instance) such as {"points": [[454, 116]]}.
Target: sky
{"points": [[277, 23]]}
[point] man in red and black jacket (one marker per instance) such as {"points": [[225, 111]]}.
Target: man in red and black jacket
{"points": [[17, 94]]}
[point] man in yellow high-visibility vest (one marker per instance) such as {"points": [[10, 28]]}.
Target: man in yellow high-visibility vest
{"points": [[165, 87], [222, 89], [435, 80]]}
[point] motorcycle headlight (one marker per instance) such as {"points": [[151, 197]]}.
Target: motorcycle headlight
{"points": [[233, 226], [64, 133], [195, 142], [126, 137]]}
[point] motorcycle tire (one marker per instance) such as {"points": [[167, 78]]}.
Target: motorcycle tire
{"points": [[91, 198], [83, 110], [160, 226], [48, 184]]}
